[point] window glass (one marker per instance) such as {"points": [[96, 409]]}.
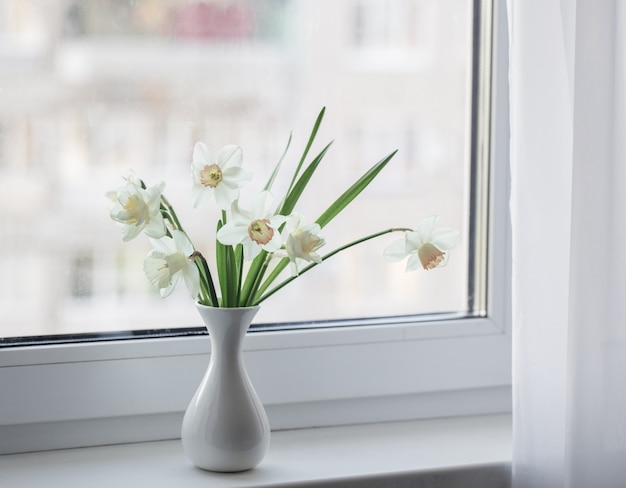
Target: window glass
{"points": [[92, 88]]}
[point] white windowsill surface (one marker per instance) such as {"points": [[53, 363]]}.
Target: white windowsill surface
{"points": [[463, 452]]}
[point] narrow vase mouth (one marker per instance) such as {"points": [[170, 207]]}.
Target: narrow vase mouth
{"points": [[253, 307]]}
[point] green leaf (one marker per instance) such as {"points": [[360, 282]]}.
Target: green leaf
{"points": [[222, 267], [351, 193], [252, 277], [309, 143], [231, 275], [272, 177], [257, 281], [203, 298], [239, 265], [294, 195], [278, 269]]}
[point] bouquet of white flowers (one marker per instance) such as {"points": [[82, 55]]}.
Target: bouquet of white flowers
{"points": [[253, 246]]}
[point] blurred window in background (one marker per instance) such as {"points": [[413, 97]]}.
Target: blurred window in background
{"points": [[92, 88]]}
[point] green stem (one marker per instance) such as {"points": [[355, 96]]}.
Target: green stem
{"points": [[207, 282], [171, 214], [229, 299], [168, 217], [204, 293], [227, 268], [278, 269], [257, 282], [251, 277], [328, 256], [239, 265]]}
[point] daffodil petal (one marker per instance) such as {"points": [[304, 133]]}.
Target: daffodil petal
{"points": [[314, 229], [445, 239], [192, 279], [156, 269], [182, 243], [201, 154], [263, 204], [275, 243], [228, 156], [240, 216], [164, 245], [236, 176], [413, 263], [396, 251], [294, 221], [156, 227], [131, 177], [224, 196], [199, 195], [426, 226], [277, 220], [414, 240], [232, 233], [250, 250], [153, 194], [167, 291], [130, 232]]}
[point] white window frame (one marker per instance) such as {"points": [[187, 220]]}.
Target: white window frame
{"points": [[58, 396]]}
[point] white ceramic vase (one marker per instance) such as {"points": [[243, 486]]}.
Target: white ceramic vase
{"points": [[225, 427]]}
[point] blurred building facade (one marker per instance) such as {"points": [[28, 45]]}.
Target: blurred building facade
{"points": [[91, 88]]}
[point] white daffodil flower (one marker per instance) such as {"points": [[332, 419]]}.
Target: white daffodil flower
{"points": [[426, 246], [220, 178], [256, 229], [303, 240], [131, 177], [170, 262], [137, 209]]}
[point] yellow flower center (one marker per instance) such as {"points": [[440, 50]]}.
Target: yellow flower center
{"points": [[309, 242], [211, 175], [430, 256], [163, 275], [134, 208], [260, 231]]}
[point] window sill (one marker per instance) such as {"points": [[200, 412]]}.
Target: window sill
{"points": [[461, 452]]}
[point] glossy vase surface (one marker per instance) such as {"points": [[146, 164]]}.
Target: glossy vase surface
{"points": [[225, 427]]}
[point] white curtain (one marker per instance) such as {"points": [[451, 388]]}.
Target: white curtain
{"points": [[568, 208]]}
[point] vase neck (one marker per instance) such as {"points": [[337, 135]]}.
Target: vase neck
{"points": [[227, 327]]}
